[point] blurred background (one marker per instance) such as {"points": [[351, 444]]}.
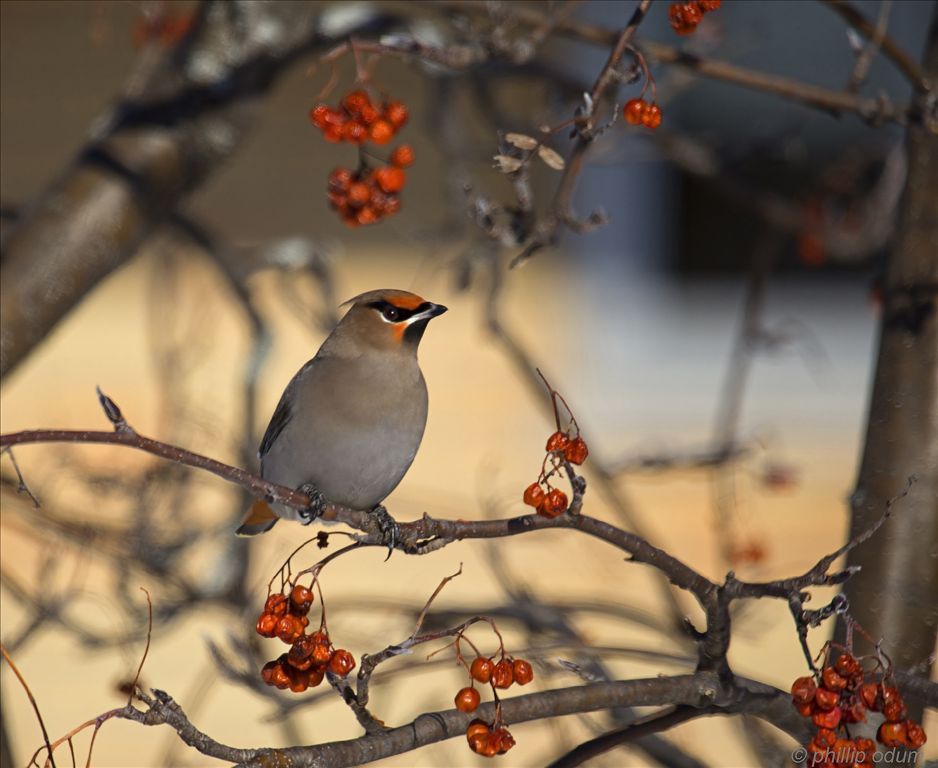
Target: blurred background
{"points": [[715, 340]]}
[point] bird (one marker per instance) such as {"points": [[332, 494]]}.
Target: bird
{"points": [[349, 423]]}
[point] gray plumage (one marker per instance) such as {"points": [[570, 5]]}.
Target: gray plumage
{"points": [[352, 418]]}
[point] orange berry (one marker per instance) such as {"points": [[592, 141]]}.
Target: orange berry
{"points": [[855, 712], [557, 442], [299, 683], [651, 118], [634, 110], [554, 504], [276, 604], [915, 735], [523, 671], [339, 180], [393, 205], [355, 132], [390, 179], [477, 728], [322, 653], [359, 194], [481, 669], [467, 699], [825, 738], [894, 711], [533, 495], [301, 598], [367, 215], [503, 740], [402, 156], [395, 113], [706, 6], [826, 699], [832, 680], [315, 675], [317, 115], [805, 710], [892, 734], [355, 101], [333, 133], [341, 663], [267, 672], [827, 719], [267, 625], [869, 693], [577, 451], [381, 132], [680, 20], [503, 675], [289, 629], [692, 13], [803, 690]]}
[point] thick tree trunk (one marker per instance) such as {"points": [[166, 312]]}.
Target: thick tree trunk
{"points": [[895, 596]]}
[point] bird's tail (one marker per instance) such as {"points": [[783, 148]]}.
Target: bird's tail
{"points": [[259, 519]]}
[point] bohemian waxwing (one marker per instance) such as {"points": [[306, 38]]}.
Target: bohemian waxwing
{"points": [[351, 420]]}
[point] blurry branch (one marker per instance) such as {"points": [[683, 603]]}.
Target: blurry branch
{"points": [[32, 701], [866, 55], [876, 34], [875, 110], [183, 115]]}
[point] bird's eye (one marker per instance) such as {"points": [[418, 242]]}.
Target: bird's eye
{"points": [[391, 313]]}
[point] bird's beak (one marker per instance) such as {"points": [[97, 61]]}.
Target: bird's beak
{"points": [[434, 310]]}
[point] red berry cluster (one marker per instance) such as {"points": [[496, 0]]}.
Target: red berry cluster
{"points": [[549, 501], [484, 738], [487, 739], [310, 656], [640, 112], [844, 697], [356, 120], [685, 17], [370, 194]]}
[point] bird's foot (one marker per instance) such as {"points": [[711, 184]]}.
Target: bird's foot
{"points": [[388, 528], [317, 503]]}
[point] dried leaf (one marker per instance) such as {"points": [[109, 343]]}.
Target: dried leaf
{"points": [[551, 158], [521, 141], [507, 164]]}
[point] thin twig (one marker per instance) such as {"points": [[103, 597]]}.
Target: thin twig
{"points": [[32, 700]]}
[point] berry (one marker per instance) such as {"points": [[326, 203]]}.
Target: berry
{"points": [[894, 711], [869, 694], [359, 194], [915, 734], [317, 115], [301, 598], [267, 625], [847, 665], [390, 179], [892, 734], [467, 700], [557, 442], [481, 669], [381, 132], [503, 675], [322, 653], [523, 671], [355, 132], [289, 629], [533, 495], [827, 719], [634, 111], [651, 118], [339, 180], [803, 690], [832, 680], [342, 662], [355, 102], [577, 451], [706, 6], [826, 699], [395, 113], [805, 710], [276, 604], [403, 156], [554, 504], [315, 675], [477, 728], [503, 740], [333, 133], [684, 17]]}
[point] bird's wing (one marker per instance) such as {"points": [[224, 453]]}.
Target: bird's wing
{"points": [[277, 422]]}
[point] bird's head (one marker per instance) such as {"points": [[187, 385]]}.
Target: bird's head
{"points": [[388, 319]]}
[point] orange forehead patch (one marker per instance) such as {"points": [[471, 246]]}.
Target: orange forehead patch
{"points": [[405, 302]]}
